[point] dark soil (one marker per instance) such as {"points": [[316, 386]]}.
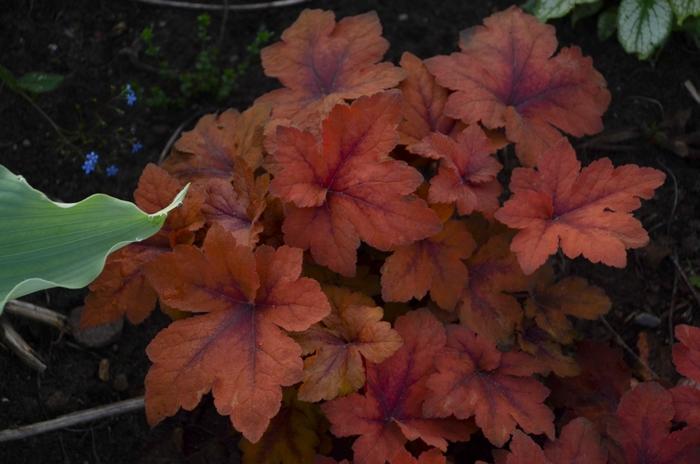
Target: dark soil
{"points": [[82, 39]]}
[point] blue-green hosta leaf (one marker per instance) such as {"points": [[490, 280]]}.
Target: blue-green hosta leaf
{"points": [[643, 25], [46, 244], [548, 9], [685, 8]]}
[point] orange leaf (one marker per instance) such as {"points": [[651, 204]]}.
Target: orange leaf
{"points": [[217, 141], [467, 173], [345, 187], [433, 264], [475, 379], [643, 429], [352, 332], [595, 393], [291, 438], [389, 413], [236, 348], [237, 205], [432, 456], [122, 288], [586, 211], [487, 306], [155, 189], [321, 63], [550, 303], [424, 102], [547, 351], [578, 443], [686, 358], [506, 76], [686, 354]]}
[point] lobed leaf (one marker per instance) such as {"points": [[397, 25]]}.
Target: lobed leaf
{"points": [[686, 358], [585, 211], [473, 378], [237, 347], [346, 188], [596, 391], [506, 76], [550, 303], [352, 333], [211, 149], [424, 102], [293, 436], [390, 412], [322, 63], [467, 173], [487, 305], [578, 443], [643, 428], [433, 264]]}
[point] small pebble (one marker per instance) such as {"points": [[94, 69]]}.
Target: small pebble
{"points": [[121, 383], [403, 16], [56, 401], [94, 337], [103, 370], [53, 48], [26, 143], [647, 320]]}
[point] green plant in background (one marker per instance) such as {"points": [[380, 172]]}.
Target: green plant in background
{"points": [[642, 25], [45, 244], [208, 76]]}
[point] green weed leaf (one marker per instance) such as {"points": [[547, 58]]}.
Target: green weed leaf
{"points": [[36, 82]]}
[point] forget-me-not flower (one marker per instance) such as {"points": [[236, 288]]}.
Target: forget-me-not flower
{"points": [[130, 95], [112, 170], [136, 147], [90, 162]]}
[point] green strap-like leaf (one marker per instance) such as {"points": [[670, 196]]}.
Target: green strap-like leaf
{"points": [[685, 8], [46, 244], [643, 25]]}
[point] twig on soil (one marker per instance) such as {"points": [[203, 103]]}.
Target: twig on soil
{"points": [[214, 7], [222, 29], [38, 314], [687, 281], [76, 418], [16, 344], [620, 341], [673, 306], [692, 91], [672, 215]]}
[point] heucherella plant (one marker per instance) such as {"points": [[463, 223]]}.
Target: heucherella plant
{"points": [[344, 252]]}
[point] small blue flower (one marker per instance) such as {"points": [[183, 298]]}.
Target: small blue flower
{"points": [[112, 170], [130, 95], [90, 162], [136, 147]]}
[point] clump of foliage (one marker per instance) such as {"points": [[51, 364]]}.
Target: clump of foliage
{"points": [[642, 26], [208, 76], [344, 254]]}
